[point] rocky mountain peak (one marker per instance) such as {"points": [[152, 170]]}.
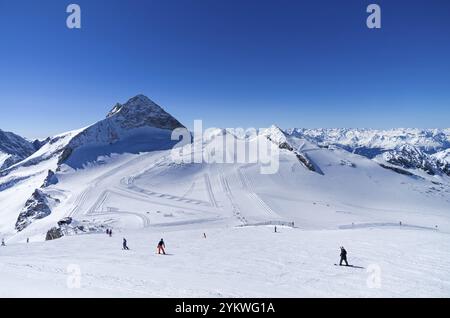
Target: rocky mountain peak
{"points": [[141, 111]]}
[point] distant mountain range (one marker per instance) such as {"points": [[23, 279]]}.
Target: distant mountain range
{"points": [[410, 148]]}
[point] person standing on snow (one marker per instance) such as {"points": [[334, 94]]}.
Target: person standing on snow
{"points": [[125, 247], [110, 233], [161, 247], [343, 256], [3, 242]]}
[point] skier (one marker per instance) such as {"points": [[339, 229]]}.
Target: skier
{"points": [[204, 235], [343, 256], [110, 233], [107, 231], [161, 247], [275, 229], [125, 247], [3, 242], [28, 240]]}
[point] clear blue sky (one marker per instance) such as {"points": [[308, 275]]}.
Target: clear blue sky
{"points": [[232, 63]]}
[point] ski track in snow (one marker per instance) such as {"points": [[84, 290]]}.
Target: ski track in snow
{"points": [[248, 187], [236, 211], [80, 208], [212, 199]]}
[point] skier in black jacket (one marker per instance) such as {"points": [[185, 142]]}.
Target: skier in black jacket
{"points": [[343, 256], [125, 247]]}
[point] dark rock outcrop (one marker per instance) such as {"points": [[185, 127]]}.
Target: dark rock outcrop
{"points": [[65, 221], [36, 207], [49, 179], [398, 170], [409, 157], [54, 233]]}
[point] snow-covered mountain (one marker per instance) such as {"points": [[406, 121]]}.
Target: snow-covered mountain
{"points": [[442, 160], [219, 217], [372, 142], [410, 157], [136, 126], [411, 149], [13, 149], [139, 125]]}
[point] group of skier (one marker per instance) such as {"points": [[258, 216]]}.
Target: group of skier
{"points": [[4, 244], [160, 247]]}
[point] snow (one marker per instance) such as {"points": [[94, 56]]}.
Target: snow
{"points": [[3, 157], [119, 173], [231, 262], [145, 196], [443, 156]]}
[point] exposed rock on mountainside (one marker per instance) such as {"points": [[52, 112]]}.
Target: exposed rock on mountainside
{"points": [[54, 233], [398, 170], [50, 179], [36, 207], [37, 144], [442, 160], [409, 157], [141, 111]]}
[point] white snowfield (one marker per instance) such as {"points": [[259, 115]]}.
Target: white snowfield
{"points": [[395, 227], [231, 262]]}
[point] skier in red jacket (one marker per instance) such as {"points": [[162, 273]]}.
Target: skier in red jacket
{"points": [[161, 247]]}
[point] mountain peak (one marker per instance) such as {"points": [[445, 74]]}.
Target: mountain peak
{"points": [[141, 111], [275, 134], [138, 101]]}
